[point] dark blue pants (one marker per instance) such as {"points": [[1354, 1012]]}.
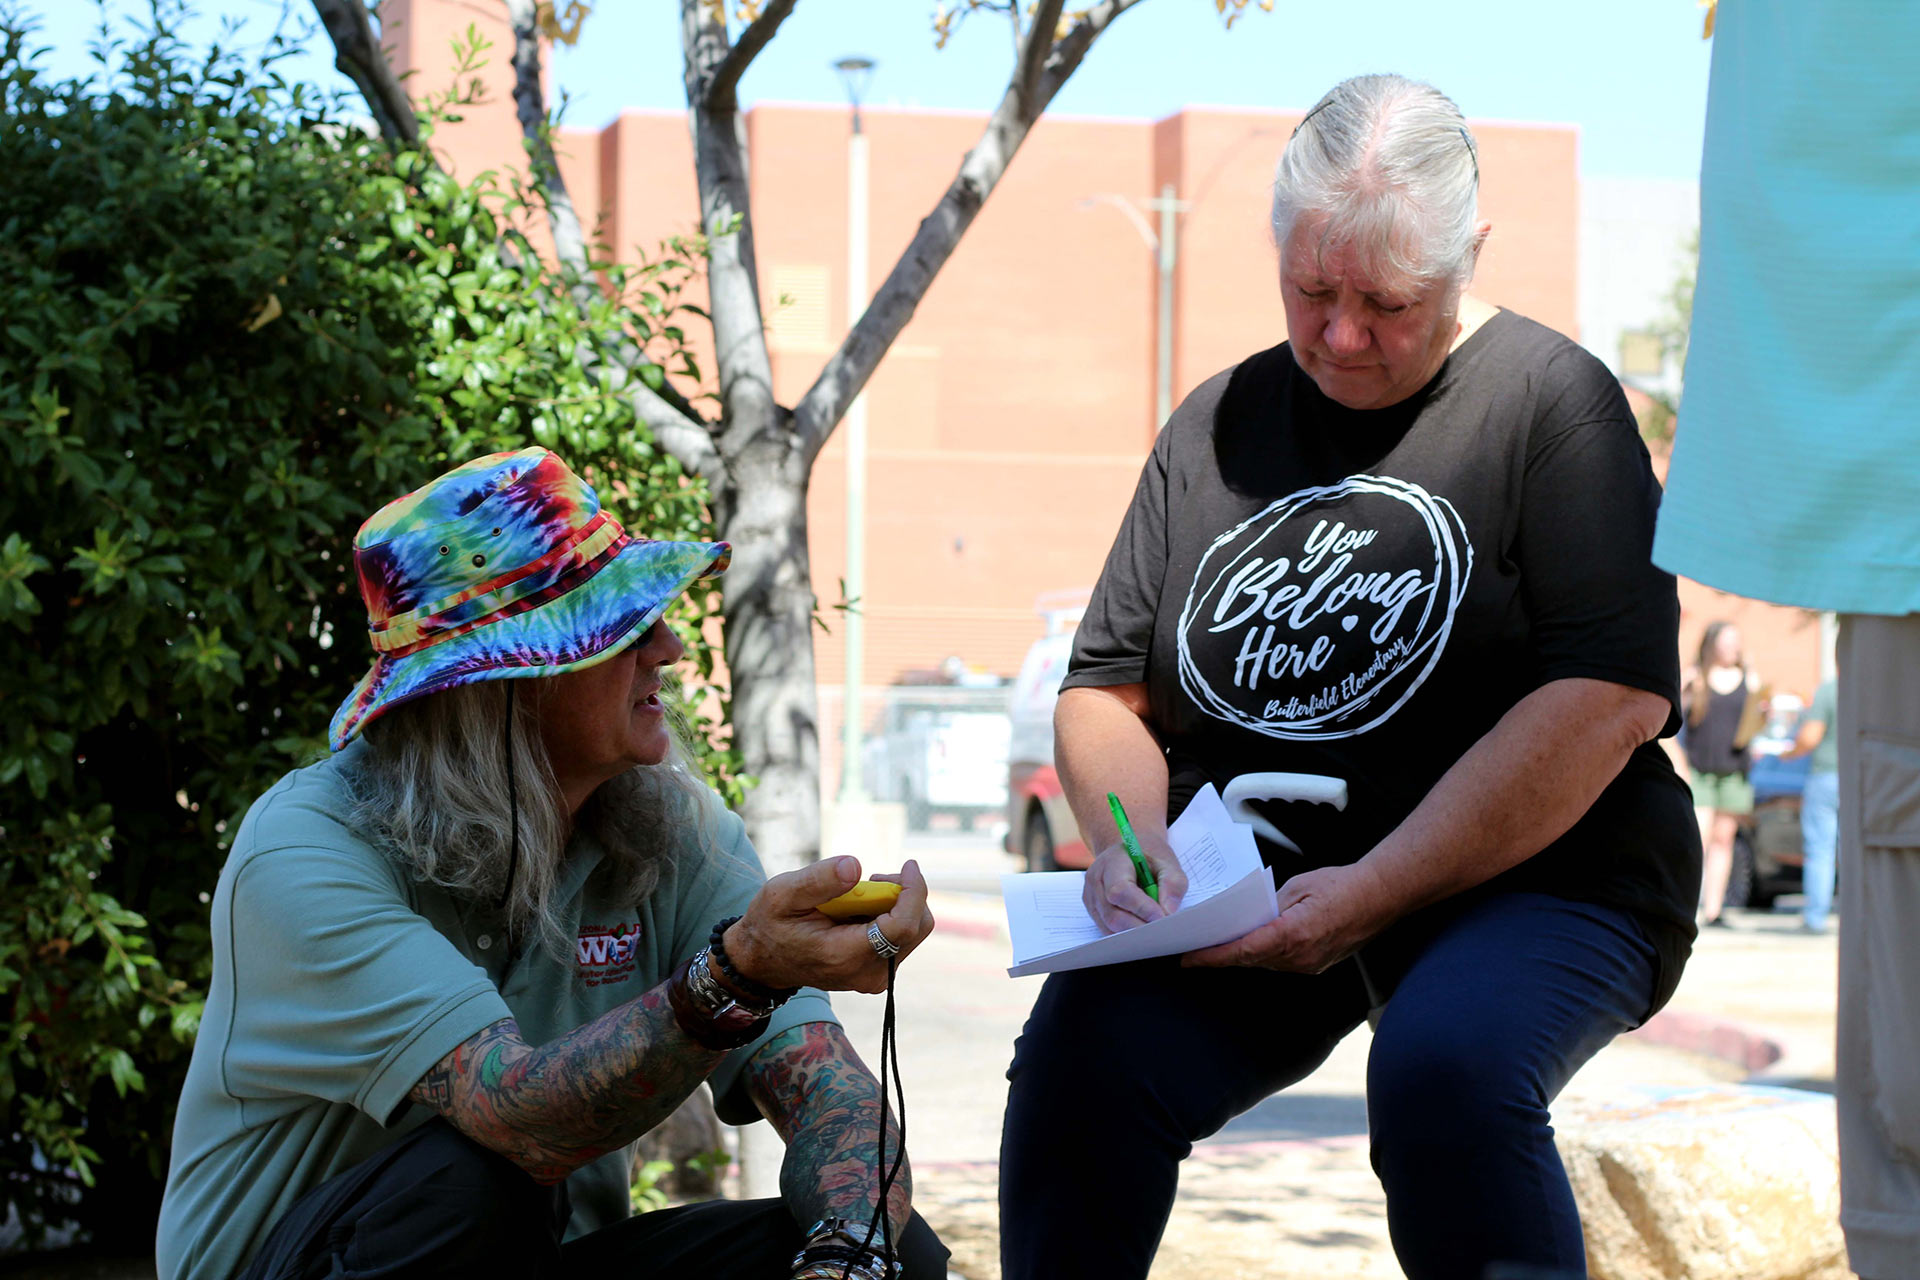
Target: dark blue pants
{"points": [[437, 1203], [1121, 1069]]}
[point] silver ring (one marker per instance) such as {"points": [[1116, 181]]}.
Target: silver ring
{"points": [[882, 945]]}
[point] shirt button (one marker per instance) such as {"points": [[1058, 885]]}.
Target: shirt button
{"points": [[484, 941]]}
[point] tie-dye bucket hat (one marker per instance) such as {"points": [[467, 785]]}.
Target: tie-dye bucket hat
{"points": [[505, 567]]}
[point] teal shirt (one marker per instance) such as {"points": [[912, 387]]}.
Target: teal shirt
{"points": [[1796, 465], [1824, 758], [338, 982]]}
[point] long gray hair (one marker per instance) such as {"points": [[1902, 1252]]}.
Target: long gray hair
{"points": [[434, 791], [1390, 164]]}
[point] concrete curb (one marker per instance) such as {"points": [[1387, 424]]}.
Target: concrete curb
{"points": [[1745, 1047], [968, 915]]}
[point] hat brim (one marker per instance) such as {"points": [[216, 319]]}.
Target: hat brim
{"points": [[588, 625]]}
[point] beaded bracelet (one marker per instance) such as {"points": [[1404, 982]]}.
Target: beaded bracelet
{"points": [[772, 997]]}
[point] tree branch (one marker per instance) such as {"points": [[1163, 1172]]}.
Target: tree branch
{"points": [[676, 426], [358, 56], [751, 416], [529, 100], [723, 89], [821, 409], [1033, 53]]}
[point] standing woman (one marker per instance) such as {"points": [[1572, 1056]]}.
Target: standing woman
{"points": [[1725, 705], [1408, 548]]}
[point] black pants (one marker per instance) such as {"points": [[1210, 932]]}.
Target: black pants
{"points": [[1121, 1069], [436, 1203]]}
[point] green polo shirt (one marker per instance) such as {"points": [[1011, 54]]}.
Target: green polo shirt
{"points": [[338, 982]]}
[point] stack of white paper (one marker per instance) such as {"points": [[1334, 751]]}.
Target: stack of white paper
{"points": [[1229, 893]]}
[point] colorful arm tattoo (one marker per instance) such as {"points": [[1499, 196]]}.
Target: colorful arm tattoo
{"points": [[554, 1108], [814, 1089]]}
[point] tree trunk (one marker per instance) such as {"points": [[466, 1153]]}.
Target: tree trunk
{"points": [[760, 506], [768, 618]]}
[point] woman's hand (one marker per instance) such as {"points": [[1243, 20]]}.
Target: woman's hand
{"points": [[783, 942], [1113, 894], [1325, 916]]}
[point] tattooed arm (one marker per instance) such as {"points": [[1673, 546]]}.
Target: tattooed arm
{"points": [[554, 1108], [814, 1089]]}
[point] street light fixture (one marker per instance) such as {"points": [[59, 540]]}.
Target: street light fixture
{"points": [[855, 75]]}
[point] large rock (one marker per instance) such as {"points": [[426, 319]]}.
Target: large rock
{"points": [[1725, 1182]]}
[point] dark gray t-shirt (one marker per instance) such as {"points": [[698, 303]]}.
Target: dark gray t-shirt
{"points": [[1306, 588]]}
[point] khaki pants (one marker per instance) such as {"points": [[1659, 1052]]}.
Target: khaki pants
{"points": [[1879, 1018]]}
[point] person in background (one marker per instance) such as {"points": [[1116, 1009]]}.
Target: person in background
{"points": [[1803, 402], [1726, 704], [1818, 738]]}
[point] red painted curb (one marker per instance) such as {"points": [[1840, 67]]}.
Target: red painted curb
{"points": [[1744, 1047], [967, 928]]}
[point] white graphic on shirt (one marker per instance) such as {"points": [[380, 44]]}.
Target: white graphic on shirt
{"points": [[606, 952], [1272, 637]]}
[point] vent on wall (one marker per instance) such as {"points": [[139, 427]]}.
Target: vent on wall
{"points": [[797, 310]]}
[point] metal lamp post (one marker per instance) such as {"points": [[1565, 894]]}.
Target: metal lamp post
{"points": [[855, 74], [1166, 249]]}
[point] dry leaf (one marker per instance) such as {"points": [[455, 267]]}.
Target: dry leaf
{"points": [[559, 26], [1706, 28], [265, 314]]}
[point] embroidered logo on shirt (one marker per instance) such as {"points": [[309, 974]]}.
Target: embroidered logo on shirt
{"points": [[1320, 616], [606, 952]]}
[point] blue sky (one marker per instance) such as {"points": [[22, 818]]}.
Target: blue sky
{"points": [[1632, 74]]}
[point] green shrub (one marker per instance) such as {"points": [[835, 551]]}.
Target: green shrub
{"points": [[231, 326]]}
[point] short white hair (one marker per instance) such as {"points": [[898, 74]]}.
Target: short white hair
{"points": [[1391, 166]]}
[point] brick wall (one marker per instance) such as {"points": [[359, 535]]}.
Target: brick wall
{"points": [[1008, 423]]}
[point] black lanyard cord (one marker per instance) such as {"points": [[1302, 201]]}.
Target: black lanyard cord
{"points": [[889, 1057]]}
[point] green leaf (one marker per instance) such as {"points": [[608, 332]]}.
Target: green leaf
{"points": [[177, 585]]}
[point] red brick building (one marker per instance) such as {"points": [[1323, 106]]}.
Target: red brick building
{"points": [[1008, 423]]}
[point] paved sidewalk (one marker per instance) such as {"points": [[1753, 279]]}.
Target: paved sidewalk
{"points": [[1285, 1190]]}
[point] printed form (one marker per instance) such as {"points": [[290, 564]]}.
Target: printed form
{"points": [[1229, 893]]}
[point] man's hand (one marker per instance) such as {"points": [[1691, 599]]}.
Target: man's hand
{"points": [[783, 942], [1112, 892], [1325, 916]]}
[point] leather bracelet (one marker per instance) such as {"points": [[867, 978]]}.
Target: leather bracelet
{"points": [[710, 1016], [772, 997]]}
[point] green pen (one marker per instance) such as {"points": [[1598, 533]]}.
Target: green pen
{"points": [[1131, 843]]}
